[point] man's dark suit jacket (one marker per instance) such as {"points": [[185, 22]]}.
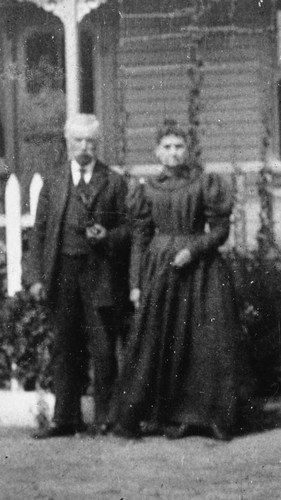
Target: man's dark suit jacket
{"points": [[108, 260]]}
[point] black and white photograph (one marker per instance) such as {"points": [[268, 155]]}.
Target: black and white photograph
{"points": [[140, 249]]}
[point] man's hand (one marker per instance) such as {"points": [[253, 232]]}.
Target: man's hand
{"points": [[96, 232], [182, 258], [37, 291], [135, 297]]}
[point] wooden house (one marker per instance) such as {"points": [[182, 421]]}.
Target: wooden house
{"points": [[135, 59]]}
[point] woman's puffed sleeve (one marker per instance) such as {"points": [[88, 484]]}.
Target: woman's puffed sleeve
{"points": [[142, 229], [217, 203]]}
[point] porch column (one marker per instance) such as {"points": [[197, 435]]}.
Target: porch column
{"points": [[72, 59], [278, 23], [66, 10], [70, 12]]}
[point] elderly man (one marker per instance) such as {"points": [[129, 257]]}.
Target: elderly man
{"points": [[78, 253]]}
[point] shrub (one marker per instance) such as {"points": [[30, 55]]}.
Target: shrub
{"points": [[26, 342], [257, 282]]}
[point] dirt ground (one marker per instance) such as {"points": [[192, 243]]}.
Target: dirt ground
{"points": [[111, 468]]}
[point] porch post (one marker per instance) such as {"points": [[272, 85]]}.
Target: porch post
{"points": [[72, 65], [70, 12], [278, 23]]}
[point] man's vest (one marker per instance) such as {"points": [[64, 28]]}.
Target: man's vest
{"points": [[73, 237]]}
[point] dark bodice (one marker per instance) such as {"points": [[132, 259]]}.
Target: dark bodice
{"points": [[187, 211], [176, 206], [184, 205]]}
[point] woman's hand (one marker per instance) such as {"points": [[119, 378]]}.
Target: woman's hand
{"points": [[182, 258], [135, 297]]}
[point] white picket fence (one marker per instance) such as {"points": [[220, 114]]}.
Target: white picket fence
{"points": [[14, 221]]}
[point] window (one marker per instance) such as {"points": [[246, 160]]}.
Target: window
{"points": [[44, 62], [87, 81], [45, 65]]}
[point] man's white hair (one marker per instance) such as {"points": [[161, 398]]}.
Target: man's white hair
{"points": [[82, 121]]}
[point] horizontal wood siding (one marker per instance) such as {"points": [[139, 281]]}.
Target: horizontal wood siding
{"points": [[154, 56], [232, 105], [150, 96]]}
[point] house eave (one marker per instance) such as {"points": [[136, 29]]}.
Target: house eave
{"points": [[58, 7]]}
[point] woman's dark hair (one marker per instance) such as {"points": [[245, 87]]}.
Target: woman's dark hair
{"points": [[170, 127]]}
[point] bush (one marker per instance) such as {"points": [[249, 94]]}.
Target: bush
{"points": [[257, 282], [26, 340]]}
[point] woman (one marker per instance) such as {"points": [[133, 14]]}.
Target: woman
{"points": [[180, 371]]}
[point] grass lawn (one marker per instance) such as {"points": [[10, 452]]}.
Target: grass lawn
{"points": [[111, 468]]}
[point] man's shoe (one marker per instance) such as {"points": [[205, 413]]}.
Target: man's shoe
{"points": [[59, 431]]}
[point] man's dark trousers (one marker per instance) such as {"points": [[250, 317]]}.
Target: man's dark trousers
{"points": [[102, 328]]}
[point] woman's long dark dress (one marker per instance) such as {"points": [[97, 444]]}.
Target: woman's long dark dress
{"points": [[180, 366]]}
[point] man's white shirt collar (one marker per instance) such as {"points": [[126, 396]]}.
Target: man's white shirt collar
{"points": [[76, 172]]}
